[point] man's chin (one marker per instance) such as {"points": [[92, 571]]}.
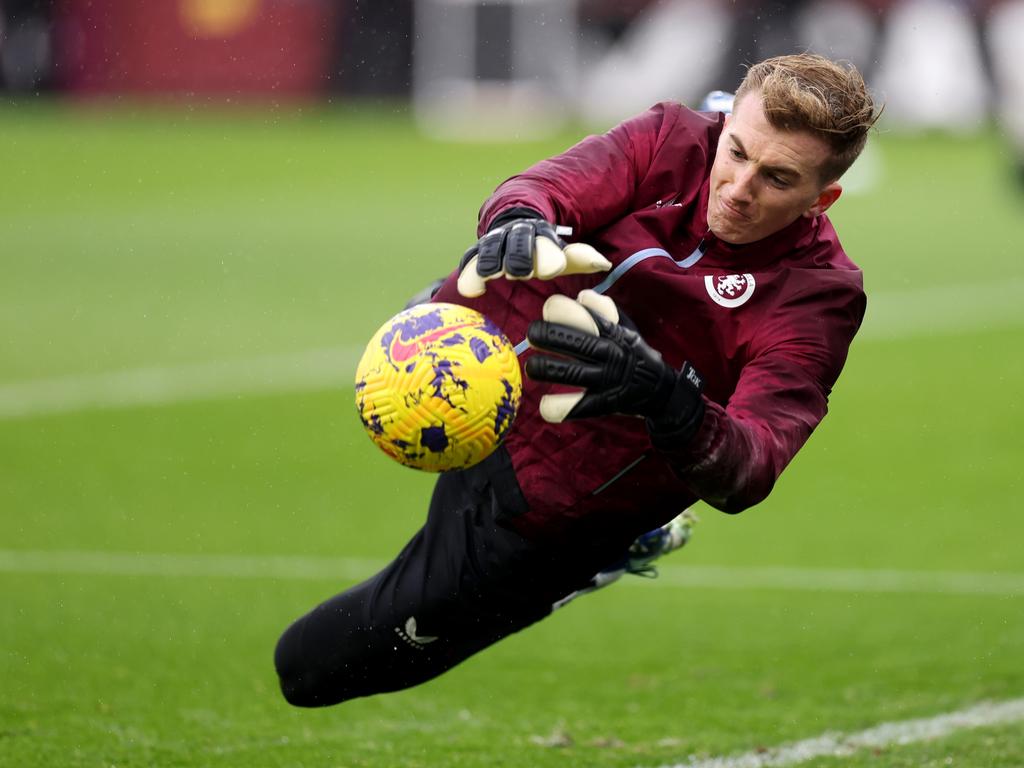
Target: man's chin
{"points": [[730, 233]]}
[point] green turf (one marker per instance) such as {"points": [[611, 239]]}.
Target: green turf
{"points": [[163, 238]]}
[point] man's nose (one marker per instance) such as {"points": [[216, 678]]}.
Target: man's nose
{"points": [[743, 185]]}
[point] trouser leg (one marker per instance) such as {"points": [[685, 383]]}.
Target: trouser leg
{"points": [[352, 645], [462, 583]]}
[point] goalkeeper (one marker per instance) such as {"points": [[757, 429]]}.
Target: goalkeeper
{"points": [[682, 344]]}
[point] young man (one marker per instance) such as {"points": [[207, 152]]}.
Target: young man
{"points": [[694, 361]]}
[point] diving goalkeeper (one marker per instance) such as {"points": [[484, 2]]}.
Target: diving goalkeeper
{"points": [[682, 344]]}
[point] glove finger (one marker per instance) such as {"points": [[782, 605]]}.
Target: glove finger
{"points": [[469, 254], [607, 314], [571, 342], [470, 283], [592, 404], [519, 251], [562, 309], [582, 259], [599, 304], [561, 370], [549, 260], [489, 253], [544, 229], [557, 408]]}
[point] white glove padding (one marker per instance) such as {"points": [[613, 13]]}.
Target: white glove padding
{"points": [[563, 310], [541, 257]]}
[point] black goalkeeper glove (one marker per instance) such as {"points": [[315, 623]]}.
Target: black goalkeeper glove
{"points": [[522, 245], [596, 349]]}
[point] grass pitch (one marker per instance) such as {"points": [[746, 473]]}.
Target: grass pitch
{"points": [[151, 554]]}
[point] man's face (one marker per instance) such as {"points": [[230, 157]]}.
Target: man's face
{"points": [[764, 179]]}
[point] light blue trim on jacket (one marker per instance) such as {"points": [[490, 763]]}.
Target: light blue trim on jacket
{"points": [[628, 264]]}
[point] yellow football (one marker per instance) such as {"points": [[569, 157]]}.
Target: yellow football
{"points": [[438, 387]]}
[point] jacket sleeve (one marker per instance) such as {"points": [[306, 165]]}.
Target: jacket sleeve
{"points": [[590, 184], [739, 451]]}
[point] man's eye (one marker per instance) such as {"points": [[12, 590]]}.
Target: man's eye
{"points": [[778, 181], [736, 154]]}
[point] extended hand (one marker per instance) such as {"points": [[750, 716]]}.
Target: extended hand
{"points": [[521, 249], [618, 371]]}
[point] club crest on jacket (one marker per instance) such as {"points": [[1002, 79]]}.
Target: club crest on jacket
{"points": [[730, 290]]}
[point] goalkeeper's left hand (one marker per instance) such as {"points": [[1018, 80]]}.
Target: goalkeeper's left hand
{"points": [[597, 349], [523, 247]]}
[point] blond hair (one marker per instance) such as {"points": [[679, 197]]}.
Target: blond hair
{"points": [[828, 99]]}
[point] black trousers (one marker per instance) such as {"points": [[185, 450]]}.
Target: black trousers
{"points": [[463, 582]]}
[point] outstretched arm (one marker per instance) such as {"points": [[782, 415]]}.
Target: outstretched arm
{"points": [[586, 187]]}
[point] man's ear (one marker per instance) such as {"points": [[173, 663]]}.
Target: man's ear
{"points": [[824, 201]]}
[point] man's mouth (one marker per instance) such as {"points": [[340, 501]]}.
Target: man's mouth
{"points": [[732, 211]]}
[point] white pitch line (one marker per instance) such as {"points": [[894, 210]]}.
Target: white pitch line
{"points": [[161, 385], [898, 733], [177, 565], [841, 580], [349, 568], [944, 309], [924, 312]]}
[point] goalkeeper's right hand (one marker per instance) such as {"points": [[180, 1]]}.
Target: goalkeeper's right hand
{"points": [[522, 248]]}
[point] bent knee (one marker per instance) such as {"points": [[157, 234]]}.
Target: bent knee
{"points": [[303, 679], [300, 691], [299, 686]]}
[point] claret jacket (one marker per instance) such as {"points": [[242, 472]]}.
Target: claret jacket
{"points": [[768, 324]]}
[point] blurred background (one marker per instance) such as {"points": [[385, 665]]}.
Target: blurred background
{"points": [[499, 68], [208, 207]]}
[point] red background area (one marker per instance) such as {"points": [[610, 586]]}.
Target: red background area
{"points": [[229, 47]]}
